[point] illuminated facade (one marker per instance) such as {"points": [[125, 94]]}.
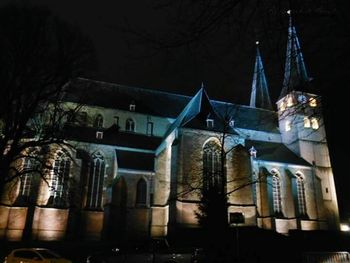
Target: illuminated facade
{"points": [[138, 154]]}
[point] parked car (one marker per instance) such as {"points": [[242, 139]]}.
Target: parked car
{"points": [[153, 251], [34, 255]]}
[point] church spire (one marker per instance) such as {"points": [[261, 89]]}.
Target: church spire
{"points": [[259, 97], [295, 71]]}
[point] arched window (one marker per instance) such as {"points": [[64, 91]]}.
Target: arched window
{"points": [[130, 125], [276, 192], [26, 179], [141, 192], [95, 182], [301, 194], [98, 123], [59, 181], [212, 174]]}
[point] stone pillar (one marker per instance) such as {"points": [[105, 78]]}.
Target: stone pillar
{"points": [[160, 209]]}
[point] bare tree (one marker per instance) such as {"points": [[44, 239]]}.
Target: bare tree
{"points": [[39, 54]]}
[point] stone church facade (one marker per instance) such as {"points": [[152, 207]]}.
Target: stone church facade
{"points": [[140, 158]]}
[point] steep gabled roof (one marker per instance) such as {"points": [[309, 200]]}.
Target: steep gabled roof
{"points": [[196, 113], [259, 97]]}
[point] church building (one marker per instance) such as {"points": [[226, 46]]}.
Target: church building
{"points": [[139, 157]]}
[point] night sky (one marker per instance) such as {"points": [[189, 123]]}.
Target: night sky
{"points": [[138, 43]]}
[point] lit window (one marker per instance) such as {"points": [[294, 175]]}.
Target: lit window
{"points": [[95, 182], [301, 195], [307, 123], [212, 175], [141, 192], [314, 123], [59, 181], [210, 123], [290, 101], [312, 102], [99, 135], [282, 106], [276, 192], [25, 185], [130, 125], [288, 126], [98, 121]]}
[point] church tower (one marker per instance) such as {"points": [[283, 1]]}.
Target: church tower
{"points": [[302, 128], [259, 97]]}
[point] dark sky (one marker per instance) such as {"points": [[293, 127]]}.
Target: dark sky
{"points": [[139, 43]]}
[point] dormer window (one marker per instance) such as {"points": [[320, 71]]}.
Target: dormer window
{"points": [[132, 106], [232, 123], [99, 135], [288, 126], [253, 152], [130, 125], [313, 102], [314, 123], [307, 123], [210, 123], [98, 123]]}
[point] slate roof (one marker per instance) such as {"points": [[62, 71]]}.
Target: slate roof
{"points": [[112, 136], [259, 97], [135, 160], [163, 104], [275, 152]]}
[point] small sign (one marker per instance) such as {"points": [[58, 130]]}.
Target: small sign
{"points": [[236, 218]]}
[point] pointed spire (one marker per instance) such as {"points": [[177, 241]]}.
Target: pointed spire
{"points": [[295, 71], [259, 97]]}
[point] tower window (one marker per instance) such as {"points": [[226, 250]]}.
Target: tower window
{"points": [[290, 101], [282, 106], [288, 126], [307, 123], [314, 123], [130, 125], [313, 102]]}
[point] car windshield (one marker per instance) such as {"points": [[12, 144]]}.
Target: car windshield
{"points": [[48, 254]]}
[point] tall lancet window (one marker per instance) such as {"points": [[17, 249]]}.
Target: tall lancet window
{"points": [[26, 179], [141, 192], [301, 195], [276, 192], [212, 174], [59, 180], [95, 182]]}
